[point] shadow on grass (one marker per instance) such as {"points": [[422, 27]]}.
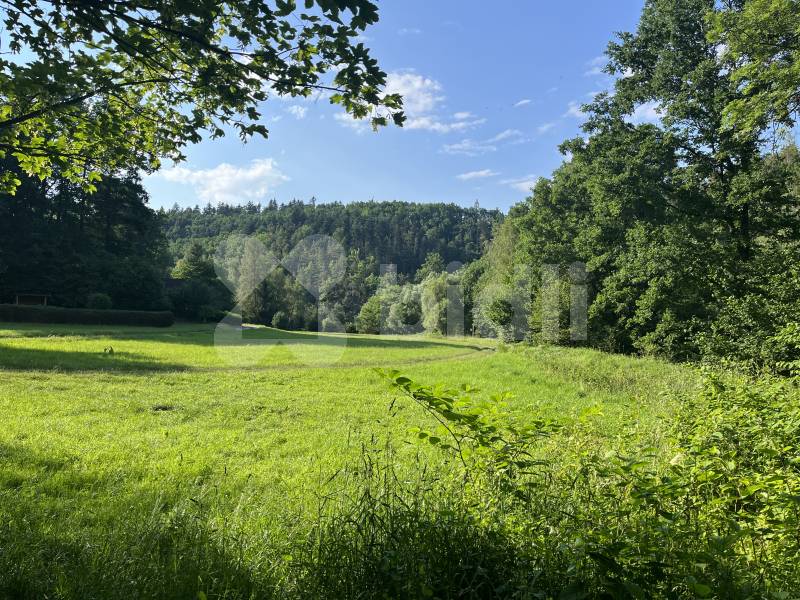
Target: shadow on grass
{"points": [[88, 540], [58, 541], [35, 359], [203, 335]]}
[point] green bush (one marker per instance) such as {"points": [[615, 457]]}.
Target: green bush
{"points": [[280, 320], [53, 314], [189, 298], [209, 314], [99, 302], [717, 516], [369, 317]]}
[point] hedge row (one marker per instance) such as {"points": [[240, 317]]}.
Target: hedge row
{"points": [[84, 316]]}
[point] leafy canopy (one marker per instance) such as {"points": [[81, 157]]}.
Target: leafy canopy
{"points": [[761, 40], [96, 85]]}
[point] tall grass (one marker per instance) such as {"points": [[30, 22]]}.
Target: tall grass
{"points": [[719, 519]]}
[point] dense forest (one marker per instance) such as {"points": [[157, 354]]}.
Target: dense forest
{"points": [[686, 227], [105, 248], [398, 233], [69, 244], [418, 239], [689, 228]]}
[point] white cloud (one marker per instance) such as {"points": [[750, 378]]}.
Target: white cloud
{"points": [[596, 66], [545, 127], [649, 112], [431, 123], [229, 183], [506, 134], [421, 94], [357, 125], [422, 104], [522, 184], [482, 174], [299, 112], [409, 31], [522, 102], [470, 147], [574, 110]]}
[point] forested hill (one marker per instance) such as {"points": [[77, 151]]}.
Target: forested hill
{"points": [[401, 233]]}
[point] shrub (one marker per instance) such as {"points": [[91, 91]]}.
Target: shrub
{"points": [[200, 300], [99, 302], [280, 320], [80, 316], [369, 317], [208, 314], [189, 298]]}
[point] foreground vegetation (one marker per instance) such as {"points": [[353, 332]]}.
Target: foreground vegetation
{"points": [[159, 470], [140, 463]]}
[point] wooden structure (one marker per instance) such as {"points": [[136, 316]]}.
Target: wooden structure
{"points": [[31, 299]]}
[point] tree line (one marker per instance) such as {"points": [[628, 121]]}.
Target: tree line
{"points": [[399, 233], [689, 226], [416, 239], [82, 249], [108, 248]]}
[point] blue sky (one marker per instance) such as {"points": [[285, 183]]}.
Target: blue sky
{"points": [[491, 89]]}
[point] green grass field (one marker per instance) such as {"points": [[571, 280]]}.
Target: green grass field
{"points": [[99, 450]]}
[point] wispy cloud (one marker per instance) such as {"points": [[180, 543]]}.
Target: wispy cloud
{"points": [[482, 174], [471, 147], [409, 31], [574, 110], [228, 183], [506, 134], [522, 184], [432, 123], [299, 112], [545, 127], [358, 125], [523, 102], [595, 66]]}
